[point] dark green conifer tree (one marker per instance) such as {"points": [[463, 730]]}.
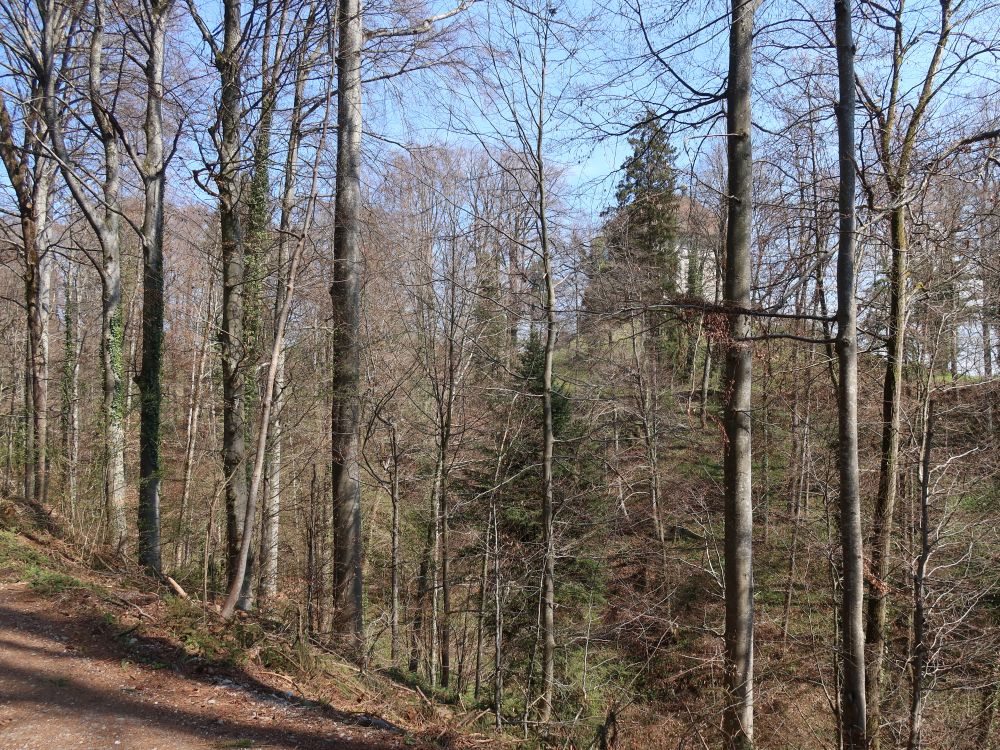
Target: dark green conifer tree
{"points": [[642, 227]]}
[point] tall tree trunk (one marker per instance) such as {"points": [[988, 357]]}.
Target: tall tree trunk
{"points": [[853, 714], [885, 499], [718, 256], [112, 365], [30, 174], [443, 545], [345, 296], [28, 425], [836, 698], [104, 219], [312, 555], [895, 156], [418, 614], [34, 296], [229, 61], [271, 514], [739, 632], [112, 313], [445, 584], [436, 570], [481, 610], [497, 625], [150, 390], [239, 581], [44, 172], [239, 584]]}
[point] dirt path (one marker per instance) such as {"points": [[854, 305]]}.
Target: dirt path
{"points": [[65, 684]]}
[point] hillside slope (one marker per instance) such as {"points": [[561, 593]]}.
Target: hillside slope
{"points": [[87, 661]]}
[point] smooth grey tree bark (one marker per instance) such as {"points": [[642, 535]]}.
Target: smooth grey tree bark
{"points": [[231, 337], [739, 632], [345, 295], [72, 345], [258, 233], [853, 714]]}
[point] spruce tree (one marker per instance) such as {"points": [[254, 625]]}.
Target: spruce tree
{"points": [[643, 226]]}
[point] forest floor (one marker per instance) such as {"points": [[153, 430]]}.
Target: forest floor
{"points": [[84, 666], [63, 685]]}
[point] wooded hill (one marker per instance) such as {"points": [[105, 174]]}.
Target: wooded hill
{"points": [[352, 318]]}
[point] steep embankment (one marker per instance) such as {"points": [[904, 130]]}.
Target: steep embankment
{"points": [[89, 661]]}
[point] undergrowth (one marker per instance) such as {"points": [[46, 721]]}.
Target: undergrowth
{"points": [[197, 631]]}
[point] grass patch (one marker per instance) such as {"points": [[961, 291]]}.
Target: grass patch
{"points": [[203, 637], [47, 581], [22, 562], [16, 557]]}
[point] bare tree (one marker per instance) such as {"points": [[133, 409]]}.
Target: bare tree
{"points": [[104, 217], [239, 578], [35, 51], [228, 58], [897, 116], [852, 711], [739, 635], [534, 36], [345, 295], [150, 31]]}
